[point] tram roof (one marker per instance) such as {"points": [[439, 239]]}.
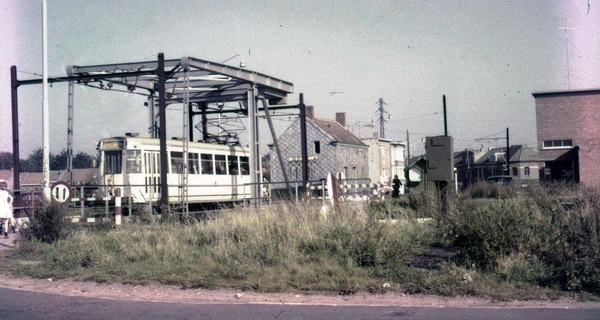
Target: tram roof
{"points": [[208, 81]]}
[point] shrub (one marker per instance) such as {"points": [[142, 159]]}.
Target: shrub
{"points": [[424, 203], [47, 225], [488, 231], [486, 190], [569, 242], [142, 214]]}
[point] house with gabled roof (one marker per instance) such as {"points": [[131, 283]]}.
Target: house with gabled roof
{"points": [[524, 164], [332, 148], [477, 165]]}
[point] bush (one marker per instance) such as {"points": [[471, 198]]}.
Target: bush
{"points": [[424, 203], [569, 242], [486, 190], [47, 225], [142, 214], [490, 230]]}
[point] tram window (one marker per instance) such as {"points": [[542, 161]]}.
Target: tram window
{"points": [[232, 164], [193, 163], [220, 164], [207, 163], [244, 166], [156, 162], [133, 161], [113, 162], [176, 162]]}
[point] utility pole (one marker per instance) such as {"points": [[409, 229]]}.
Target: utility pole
{"points": [[45, 108], [407, 148], [381, 118], [567, 46], [445, 117], [507, 154]]}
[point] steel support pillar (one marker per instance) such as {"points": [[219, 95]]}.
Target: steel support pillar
{"points": [[276, 145], [14, 84], [71, 114], [162, 109], [191, 121], [255, 173], [303, 146], [152, 127]]}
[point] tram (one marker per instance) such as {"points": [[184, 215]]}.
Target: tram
{"points": [[216, 173]]}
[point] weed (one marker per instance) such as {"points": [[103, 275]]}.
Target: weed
{"points": [[47, 225], [523, 245]]}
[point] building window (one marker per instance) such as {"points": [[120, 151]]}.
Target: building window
{"points": [[551, 144], [515, 171], [527, 171], [317, 145]]}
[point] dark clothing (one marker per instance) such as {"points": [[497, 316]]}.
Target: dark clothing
{"points": [[396, 188]]}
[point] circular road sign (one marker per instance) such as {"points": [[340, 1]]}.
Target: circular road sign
{"points": [[61, 192]]}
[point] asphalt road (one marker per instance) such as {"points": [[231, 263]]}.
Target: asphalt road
{"points": [[18, 304]]}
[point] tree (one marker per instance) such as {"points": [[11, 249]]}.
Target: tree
{"points": [[82, 160], [34, 162], [57, 162], [6, 161]]}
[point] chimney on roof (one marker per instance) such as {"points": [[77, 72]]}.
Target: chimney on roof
{"points": [[310, 112], [340, 117]]}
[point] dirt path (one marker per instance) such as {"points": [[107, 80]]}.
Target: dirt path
{"points": [[164, 293]]}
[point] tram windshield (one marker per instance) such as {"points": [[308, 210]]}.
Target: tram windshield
{"points": [[113, 161]]}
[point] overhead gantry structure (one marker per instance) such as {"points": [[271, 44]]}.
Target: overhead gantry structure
{"points": [[205, 87]]}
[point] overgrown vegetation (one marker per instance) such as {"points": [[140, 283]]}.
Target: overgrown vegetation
{"points": [[46, 225], [507, 243]]}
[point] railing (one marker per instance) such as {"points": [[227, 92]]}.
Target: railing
{"points": [[86, 205], [342, 190]]}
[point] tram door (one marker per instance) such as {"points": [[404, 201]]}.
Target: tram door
{"points": [[152, 175]]}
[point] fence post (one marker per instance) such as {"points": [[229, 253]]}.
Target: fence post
{"points": [[118, 208], [82, 202], [296, 190], [323, 191], [129, 205]]}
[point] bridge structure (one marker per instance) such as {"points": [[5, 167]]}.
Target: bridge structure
{"points": [[206, 89]]}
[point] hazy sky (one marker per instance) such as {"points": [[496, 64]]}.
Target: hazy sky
{"points": [[487, 57]]}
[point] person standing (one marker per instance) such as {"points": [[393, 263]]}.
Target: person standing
{"points": [[6, 208], [396, 187]]}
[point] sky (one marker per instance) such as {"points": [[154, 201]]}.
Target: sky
{"points": [[485, 56]]}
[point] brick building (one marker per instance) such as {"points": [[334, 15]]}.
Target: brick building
{"points": [[331, 149], [568, 135]]}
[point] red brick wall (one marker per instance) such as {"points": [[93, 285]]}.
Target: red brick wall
{"points": [[575, 116]]}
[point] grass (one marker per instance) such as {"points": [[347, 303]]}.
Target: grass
{"points": [[525, 245]]}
